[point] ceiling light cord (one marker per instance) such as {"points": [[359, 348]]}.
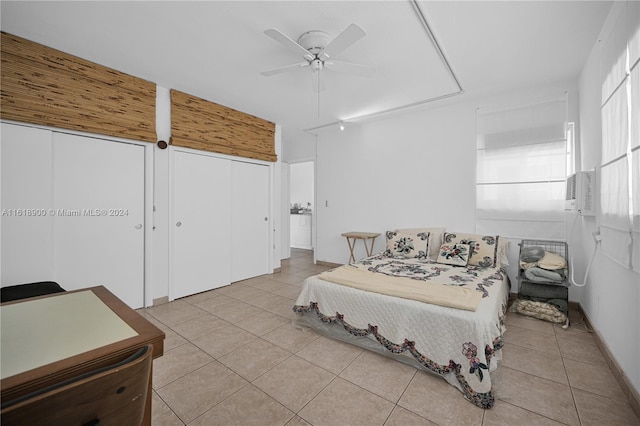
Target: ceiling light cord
{"points": [[318, 76]]}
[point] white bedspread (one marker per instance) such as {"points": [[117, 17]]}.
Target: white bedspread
{"points": [[460, 345]]}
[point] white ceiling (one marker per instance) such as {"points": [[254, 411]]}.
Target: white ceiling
{"points": [[216, 49]]}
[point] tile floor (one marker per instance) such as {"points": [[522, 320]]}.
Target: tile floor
{"points": [[232, 358]]}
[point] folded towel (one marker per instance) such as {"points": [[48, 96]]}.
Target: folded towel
{"points": [[543, 291], [552, 261], [544, 276]]}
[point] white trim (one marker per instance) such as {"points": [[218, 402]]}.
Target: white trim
{"points": [[149, 222], [170, 289], [272, 217], [219, 155], [78, 133]]}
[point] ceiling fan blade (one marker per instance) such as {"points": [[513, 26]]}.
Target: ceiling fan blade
{"points": [[286, 68], [345, 39], [289, 44], [348, 67]]}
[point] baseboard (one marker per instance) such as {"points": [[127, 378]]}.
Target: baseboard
{"points": [[632, 395], [330, 264], [276, 270], [161, 301]]}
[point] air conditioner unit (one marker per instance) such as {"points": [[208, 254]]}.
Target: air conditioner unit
{"points": [[580, 197]]}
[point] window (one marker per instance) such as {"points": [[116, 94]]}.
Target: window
{"points": [[619, 176], [634, 149], [521, 170]]}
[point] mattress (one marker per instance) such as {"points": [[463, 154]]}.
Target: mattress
{"points": [[460, 345]]}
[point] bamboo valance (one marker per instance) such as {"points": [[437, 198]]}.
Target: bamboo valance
{"points": [[200, 124], [41, 85]]}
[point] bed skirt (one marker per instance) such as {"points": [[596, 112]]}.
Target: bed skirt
{"points": [[336, 327]]}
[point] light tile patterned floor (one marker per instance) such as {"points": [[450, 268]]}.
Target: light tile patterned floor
{"points": [[232, 358]]}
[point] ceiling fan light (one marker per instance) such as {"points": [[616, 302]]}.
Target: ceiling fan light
{"points": [[341, 125], [316, 65]]}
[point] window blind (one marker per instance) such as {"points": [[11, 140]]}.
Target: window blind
{"points": [[44, 86], [635, 165], [521, 170], [620, 112], [199, 124]]}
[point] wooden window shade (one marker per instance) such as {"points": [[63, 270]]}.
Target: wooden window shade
{"points": [[200, 124], [44, 86]]}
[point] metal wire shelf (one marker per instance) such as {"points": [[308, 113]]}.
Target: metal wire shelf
{"points": [[546, 290], [558, 247]]}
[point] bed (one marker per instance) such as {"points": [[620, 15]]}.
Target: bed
{"points": [[440, 309]]}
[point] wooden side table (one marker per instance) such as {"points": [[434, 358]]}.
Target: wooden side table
{"points": [[364, 236]]}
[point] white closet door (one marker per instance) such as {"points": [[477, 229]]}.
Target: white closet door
{"points": [[201, 228], [26, 200], [98, 237], [250, 220]]}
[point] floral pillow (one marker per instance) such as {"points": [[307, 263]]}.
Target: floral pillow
{"points": [[483, 248], [454, 254], [407, 244], [435, 238]]}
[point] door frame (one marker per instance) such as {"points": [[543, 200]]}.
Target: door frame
{"points": [[314, 216]]}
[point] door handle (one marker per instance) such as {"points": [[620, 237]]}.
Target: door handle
{"points": [[266, 219], [138, 226], [178, 224]]}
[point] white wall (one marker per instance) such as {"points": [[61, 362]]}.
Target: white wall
{"points": [[407, 170], [301, 189], [417, 169], [279, 201], [285, 229], [298, 146], [158, 254], [612, 294]]}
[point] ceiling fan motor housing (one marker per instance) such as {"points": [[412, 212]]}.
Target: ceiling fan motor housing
{"points": [[314, 41]]}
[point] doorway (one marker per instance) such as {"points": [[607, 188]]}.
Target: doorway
{"points": [[301, 205]]}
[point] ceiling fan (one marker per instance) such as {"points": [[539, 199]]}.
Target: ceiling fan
{"points": [[318, 49]]}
